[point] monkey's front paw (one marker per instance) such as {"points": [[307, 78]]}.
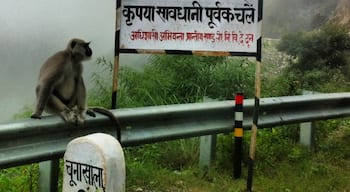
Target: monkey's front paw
{"points": [[69, 116], [80, 119], [35, 116]]}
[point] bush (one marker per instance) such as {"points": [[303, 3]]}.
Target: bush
{"points": [[23, 178], [320, 57], [170, 79], [325, 47]]}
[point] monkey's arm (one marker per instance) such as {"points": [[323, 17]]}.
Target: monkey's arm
{"points": [[80, 94], [79, 99], [43, 93]]}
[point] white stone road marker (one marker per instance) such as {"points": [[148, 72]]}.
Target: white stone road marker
{"points": [[94, 163]]}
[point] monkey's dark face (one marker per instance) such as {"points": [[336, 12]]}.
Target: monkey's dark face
{"points": [[88, 51], [80, 49]]}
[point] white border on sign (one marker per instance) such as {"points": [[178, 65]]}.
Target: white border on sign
{"points": [[197, 25]]}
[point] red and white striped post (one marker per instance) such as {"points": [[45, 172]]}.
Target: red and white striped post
{"points": [[238, 133]]}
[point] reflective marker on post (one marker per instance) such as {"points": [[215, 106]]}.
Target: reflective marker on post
{"points": [[238, 133]]}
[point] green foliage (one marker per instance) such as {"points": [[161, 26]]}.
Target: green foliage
{"points": [[274, 145], [285, 84], [170, 79], [230, 77], [225, 148], [177, 155], [333, 139], [320, 57], [25, 112], [292, 43], [19, 179], [321, 48], [100, 94]]}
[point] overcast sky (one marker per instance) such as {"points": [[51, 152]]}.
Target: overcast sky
{"points": [[33, 30]]}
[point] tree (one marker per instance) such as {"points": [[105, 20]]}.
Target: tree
{"points": [[325, 47], [318, 55]]}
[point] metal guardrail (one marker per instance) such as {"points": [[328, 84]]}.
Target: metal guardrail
{"points": [[28, 141]]}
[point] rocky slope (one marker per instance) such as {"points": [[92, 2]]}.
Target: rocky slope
{"points": [[342, 13]]}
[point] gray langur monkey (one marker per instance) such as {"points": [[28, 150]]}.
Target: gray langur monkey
{"points": [[61, 89]]}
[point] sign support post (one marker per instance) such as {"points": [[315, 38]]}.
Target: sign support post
{"points": [[116, 56], [254, 129]]}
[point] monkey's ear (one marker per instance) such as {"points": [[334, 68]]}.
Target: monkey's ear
{"points": [[72, 44]]}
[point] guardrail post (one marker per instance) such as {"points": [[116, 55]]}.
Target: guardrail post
{"points": [[307, 128], [48, 176], [307, 134], [207, 150]]}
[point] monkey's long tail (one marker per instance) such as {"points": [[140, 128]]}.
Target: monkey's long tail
{"points": [[91, 112]]}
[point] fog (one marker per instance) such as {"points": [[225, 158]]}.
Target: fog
{"points": [[32, 30], [283, 16]]}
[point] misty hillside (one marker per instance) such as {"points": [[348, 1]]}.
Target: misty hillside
{"points": [[285, 16]]}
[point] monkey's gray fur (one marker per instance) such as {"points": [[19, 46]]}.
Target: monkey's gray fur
{"points": [[60, 89]]}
